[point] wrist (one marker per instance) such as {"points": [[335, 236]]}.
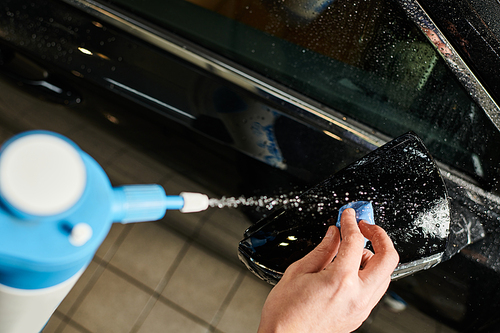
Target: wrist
{"points": [[275, 327]]}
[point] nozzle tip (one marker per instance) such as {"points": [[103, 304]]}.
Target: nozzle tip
{"points": [[194, 202]]}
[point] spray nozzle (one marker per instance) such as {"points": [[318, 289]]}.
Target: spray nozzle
{"points": [[45, 175], [57, 205], [194, 202], [140, 203]]}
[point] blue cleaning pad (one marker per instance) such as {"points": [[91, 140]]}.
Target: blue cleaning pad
{"points": [[364, 211]]}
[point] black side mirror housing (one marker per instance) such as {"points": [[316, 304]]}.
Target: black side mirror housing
{"points": [[409, 199]]}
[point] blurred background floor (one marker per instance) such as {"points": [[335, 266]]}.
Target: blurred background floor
{"points": [[180, 274]]}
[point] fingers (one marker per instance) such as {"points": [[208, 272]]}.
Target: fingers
{"points": [[351, 256], [322, 255], [367, 255], [351, 248], [384, 261]]}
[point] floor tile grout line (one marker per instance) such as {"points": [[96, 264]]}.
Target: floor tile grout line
{"points": [[78, 326], [104, 263], [110, 253], [128, 278], [118, 272], [157, 296], [184, 312], [162, 285], [66, 320], [144, 313], [95, 276], [227, 300], [190, 240], [88, 287], [156, 293], [194, 238]]}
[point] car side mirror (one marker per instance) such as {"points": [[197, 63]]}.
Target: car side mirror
{"points": [[409, 199]]}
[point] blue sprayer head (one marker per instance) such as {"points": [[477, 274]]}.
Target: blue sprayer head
{"points": [[57, 206]]}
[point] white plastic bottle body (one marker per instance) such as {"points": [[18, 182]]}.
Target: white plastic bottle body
{"points": [[28, 311]]}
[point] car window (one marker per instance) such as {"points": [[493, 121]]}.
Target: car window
{"points": [[364, 58]]}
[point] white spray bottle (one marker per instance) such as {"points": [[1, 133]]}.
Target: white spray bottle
{"points": [[56, 207]]}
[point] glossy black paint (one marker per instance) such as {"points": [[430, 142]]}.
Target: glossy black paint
{"points": [[50, 33], [78, 50], [407, 193]]}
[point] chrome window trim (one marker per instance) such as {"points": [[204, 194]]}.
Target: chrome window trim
{"points": [[250, 82], [463, 73], [230, 71]]}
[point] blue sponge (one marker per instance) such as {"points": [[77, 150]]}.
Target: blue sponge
{"points": [[364, 211]]}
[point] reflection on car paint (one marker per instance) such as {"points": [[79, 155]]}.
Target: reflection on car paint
{"points": [[251, 126]]}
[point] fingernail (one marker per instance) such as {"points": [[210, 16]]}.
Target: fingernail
{"points": [[350, 211]]}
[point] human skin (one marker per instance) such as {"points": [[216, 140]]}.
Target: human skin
{"points": [[317, 294]]}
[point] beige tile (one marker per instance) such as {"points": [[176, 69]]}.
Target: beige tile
{"points": [[220, 240], [178, 183], [92, 272], [53, 324], [109, 246], [185, 224], [164, 319], [243, 313], [147, 252], [224, 230], [118, 177], [99, 144], [27, 112], [201, 283], [52, 117], [71, 328], [112, 306], [232, 220], [141, 167]]}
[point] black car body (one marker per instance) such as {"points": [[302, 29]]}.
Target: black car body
{"points": [[286, 94]]}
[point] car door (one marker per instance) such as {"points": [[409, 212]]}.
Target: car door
{"points": [[303, 88]]}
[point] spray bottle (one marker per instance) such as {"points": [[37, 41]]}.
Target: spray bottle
{"points": [[56, 208]]}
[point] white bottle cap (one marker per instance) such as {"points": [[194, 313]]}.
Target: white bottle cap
{"points": [[80, 234], [41, 174]]}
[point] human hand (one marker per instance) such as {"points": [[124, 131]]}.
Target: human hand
{"points": [[318, 295]]}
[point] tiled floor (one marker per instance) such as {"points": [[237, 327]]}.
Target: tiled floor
{"points": [[180, 274]]}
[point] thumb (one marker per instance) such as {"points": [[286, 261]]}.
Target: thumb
{"points": [[316, 260]]}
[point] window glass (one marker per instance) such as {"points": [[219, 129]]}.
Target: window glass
{"points": [[364, 58]]}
